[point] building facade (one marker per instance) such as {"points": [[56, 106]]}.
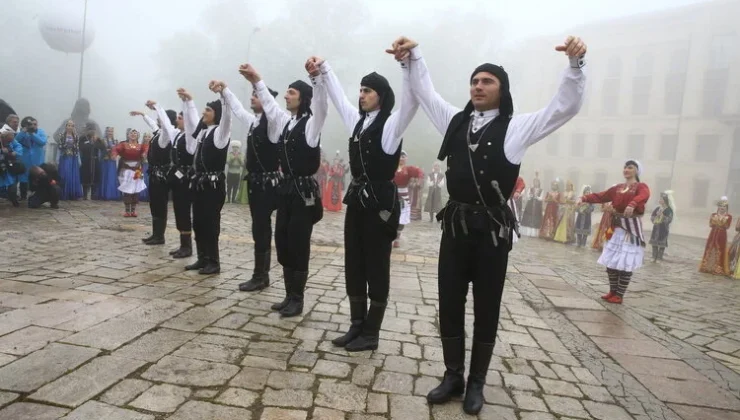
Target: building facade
{"points": [[663, 88]]}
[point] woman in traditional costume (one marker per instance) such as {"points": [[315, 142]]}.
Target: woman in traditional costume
{"points": [[624, 250], [662, 217], [131, 171], [566, 232], [715, 253], [583, 219], [550, 220]]}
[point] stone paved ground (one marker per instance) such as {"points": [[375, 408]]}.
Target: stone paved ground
{"points": [[94, 325]]}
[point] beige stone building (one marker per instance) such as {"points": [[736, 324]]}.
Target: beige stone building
{"points": [[663, 88]]}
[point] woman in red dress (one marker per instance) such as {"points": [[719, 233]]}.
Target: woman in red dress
{"points": [[332, 199], [606, 221], [715, 254], [130, 174], [625, 247], [550, 219]]}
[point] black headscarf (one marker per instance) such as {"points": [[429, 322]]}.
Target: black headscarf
{"points": [[506, 104], [172, 115], [306, 92], [381, 86], [216, 107]]}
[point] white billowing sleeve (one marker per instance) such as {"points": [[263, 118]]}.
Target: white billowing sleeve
{"points": [[439, 111], [347, 112], [246, 117], [319, 111], [190, 114], [277, 118], [150, 122], [399, 121], [526, 130], [222, 134], [168, 130]]}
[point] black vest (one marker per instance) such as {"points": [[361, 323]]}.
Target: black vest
{"points": [[157, 156], [262, 154], [489, 162], [296, 157], [208, 158], [378, 165], [179, 153]]}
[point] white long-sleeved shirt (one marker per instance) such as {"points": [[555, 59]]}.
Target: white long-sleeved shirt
{"points": [[161, 141], [169, 132], [524, 130], [394, 126], [222, 132], [278, 118]]}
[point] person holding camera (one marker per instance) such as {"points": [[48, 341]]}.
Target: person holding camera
{"points": [[33, 141], [44, 183], [10, 164]]}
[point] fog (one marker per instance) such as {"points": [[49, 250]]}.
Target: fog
{"points": [[145, 50]]}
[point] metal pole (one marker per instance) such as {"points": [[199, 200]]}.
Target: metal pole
{"points": [[82, 52]]}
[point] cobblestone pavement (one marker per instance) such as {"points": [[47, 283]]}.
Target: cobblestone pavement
{"points": [[95, 325]]}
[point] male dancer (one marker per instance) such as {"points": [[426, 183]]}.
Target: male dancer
{"points": [[299, 205], [263, 176], [208, 182], [372, 214], [484, 145], [178, 177]]}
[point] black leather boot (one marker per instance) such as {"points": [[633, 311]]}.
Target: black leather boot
{"points": [[370, 335], [158, 226], [453, 383], [480, 359], [288, 281], [213, 262], [295, 298], [186, 247], [358, 312], [260, 277], [200, 249]]}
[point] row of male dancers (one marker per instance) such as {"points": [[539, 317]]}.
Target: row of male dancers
{"points": [[483, 143]]}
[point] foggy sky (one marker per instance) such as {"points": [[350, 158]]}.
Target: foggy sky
{"points": [[123, 68]]}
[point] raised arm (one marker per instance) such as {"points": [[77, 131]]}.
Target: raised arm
{"points": [[439, 111], [169, 132], [222, 133], [246, 117], [347, 112], [526, 130], [399, 121], [319, 110]]}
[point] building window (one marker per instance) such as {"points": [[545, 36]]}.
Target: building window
{"points": [[700, 196], [641, 84], [599, 184], [707, 146], [610, 97], [553, 145], [668, 147], [578, 145], [636, 146], [715, 87], [606, 146], [676, 81]]}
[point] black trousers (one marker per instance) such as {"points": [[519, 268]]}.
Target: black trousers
{"points": [[207, 204], [293, 229], [182, 204], [368, 241], [45, 194], [232, 186], [159, 196], [464, 259], [262, 202]]}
